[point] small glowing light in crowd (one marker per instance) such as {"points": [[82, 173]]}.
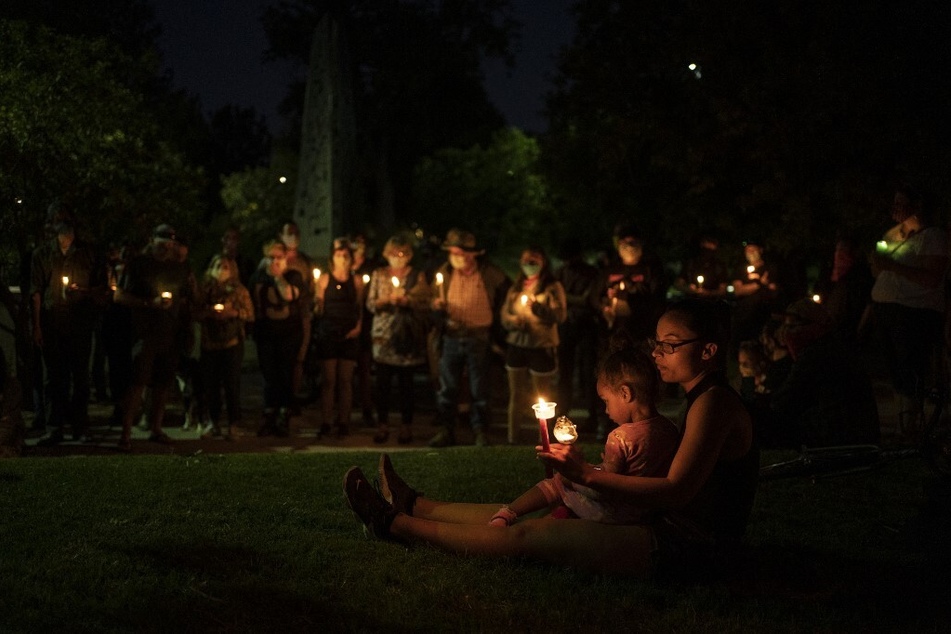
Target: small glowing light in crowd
{"points": [[419, 234], [316, 274], [621, 286], [166, 295], [695, 69], [881, 246], [19, 201], [439, 279], [282, 180], [700, 280], [750, 269], [730, 288], [65, 280], [524, 299], [366, 278], [396, 281], [817, 299], [692, 67], [219, 307]]}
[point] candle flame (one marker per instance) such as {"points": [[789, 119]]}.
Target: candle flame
{"points": [[621, 286], [699, 279], [750, 268], [219, 307], [316, 274], [396, 281], [817, 299], [366, 278], [439, 278], [166, 295], [524, 299], [65, 280]]}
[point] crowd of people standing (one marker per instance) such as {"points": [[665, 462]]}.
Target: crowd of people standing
{"points": [[345, 329]]}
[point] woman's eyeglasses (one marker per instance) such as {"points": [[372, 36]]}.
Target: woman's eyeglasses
{"points": [[668, 347]]}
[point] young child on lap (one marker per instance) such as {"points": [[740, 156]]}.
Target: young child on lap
{"points": [[643, 444]]}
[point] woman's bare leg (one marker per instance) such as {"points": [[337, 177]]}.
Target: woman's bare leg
{"points": [[454, 512], [575, 543]]}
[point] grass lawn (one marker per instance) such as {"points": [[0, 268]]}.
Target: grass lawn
{"points": [[265, 542]]}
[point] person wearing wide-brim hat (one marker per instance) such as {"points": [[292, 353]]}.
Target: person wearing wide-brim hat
{"points": [[158, 287], [467, 302]]}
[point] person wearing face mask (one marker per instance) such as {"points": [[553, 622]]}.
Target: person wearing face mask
{"points": [[398, 300], [755, 289], [277, 292], [467, 301], [628, 296], [224, 307], [159, 289], [303, 264], [533, 309], [339, 307], [363, 267]]}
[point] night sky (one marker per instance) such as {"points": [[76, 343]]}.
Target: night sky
{"points": [[214, 49]]}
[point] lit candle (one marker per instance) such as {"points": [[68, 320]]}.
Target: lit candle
{"points": [[65, 280], [730, 288], [699, 280], [316, 274], [396, 281], [366, 278], [442, 291], [881, 246], [166, 295], [817, 299], [544, 411], [219, 307], [524, 300], [565, 431], [750, 269]]}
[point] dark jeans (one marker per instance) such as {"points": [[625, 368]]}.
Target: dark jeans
{"points": [[66, 353], [909, 338], [405, 391], [221, 370], [277, 355], [458, 354]]}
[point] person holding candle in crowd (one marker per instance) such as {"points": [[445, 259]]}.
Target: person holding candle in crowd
{"points": [[578, 334], [398, 300], [339, 308], [468, 301], [533, 308], [846, 288], [704, 500], [755, 288], [67, 289], [909, 299], [300, 262], [224, 307], [363, 267], [159, 289], [643, 444], [704, 274], [629, 295], [277, 293]]}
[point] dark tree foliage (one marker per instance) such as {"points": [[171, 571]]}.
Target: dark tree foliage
{"points": [[417, 73], [795, 120]]}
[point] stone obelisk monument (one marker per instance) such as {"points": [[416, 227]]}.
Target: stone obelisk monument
{"points": [[327, 204]]}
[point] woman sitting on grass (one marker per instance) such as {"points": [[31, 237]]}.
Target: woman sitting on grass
{"points": [[705, 499]]}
